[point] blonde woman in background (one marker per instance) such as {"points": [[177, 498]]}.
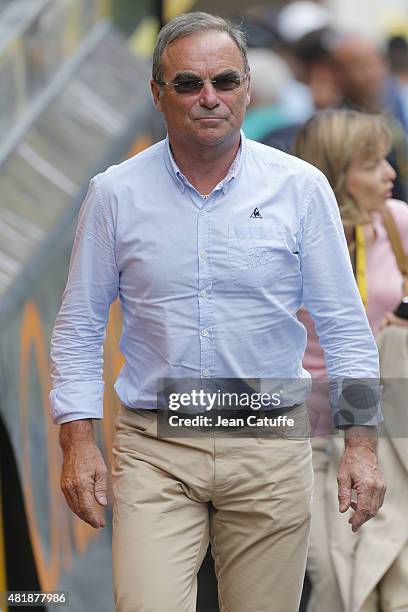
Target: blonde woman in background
{"points": [[367, 571]]}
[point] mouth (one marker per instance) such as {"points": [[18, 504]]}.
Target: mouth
{"points": [[210, 119]]}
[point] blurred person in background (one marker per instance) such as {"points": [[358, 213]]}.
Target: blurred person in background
{"points": [[362, 78], [369, 573], [313, 52], [361, 73], [341, 70], [305, 36], [277, 100], [398, 61]]}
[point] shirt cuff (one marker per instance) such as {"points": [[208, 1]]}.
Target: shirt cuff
{"points": [[356, 402], [80, 400]]}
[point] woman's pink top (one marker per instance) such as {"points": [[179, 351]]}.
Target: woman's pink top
{"points": [[384, 283]]}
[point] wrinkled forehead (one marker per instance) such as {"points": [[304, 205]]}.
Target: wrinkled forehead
{"points": [[205, 54]]}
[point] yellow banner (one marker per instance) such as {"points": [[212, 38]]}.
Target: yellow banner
{"points": [[104, 8], [144, 37], [172, 8]]}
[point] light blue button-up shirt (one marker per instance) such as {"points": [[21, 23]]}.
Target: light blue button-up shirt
{"points": [[209, 286]]}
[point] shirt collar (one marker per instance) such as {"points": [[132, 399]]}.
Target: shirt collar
{"points": [[182, 181]]}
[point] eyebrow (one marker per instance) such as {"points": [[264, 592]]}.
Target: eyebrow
{"points": [[183, 76]]}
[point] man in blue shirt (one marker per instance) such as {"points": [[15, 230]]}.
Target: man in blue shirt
{"points": [[212, 242]]}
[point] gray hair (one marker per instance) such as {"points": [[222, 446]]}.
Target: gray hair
{"points": [[194, 23]]}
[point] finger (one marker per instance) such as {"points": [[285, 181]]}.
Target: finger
{"points": [[344, 495], [91, 518], [362, 508], [375, 504], [79, 496], [364, 497], [378, 496], [100, 487], [73, 502], [102, 521], [87, 511], [398, 321], [71, 498], [69, 489], [358, 519]]}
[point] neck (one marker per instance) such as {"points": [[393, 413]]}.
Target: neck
{"points": [[370, 232], [204, 166]]}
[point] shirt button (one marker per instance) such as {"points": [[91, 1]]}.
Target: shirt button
{"points": [[205, 373], [204, 332], [202, 253], [203, 293]]}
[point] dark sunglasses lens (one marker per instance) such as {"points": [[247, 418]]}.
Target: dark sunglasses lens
{"points": [[190, 86], [194, 85], [226, 83]]}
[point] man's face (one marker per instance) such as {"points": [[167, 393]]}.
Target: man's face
{"points": [[207, 117], [361, 72]]}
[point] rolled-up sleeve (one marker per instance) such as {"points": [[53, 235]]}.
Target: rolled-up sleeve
{"points": [[331, 295], [79, 331]]}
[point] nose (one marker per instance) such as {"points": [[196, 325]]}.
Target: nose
{"points": [[389, 171], [208, 96]]}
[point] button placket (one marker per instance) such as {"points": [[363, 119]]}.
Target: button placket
{"points": [[204, 293]]}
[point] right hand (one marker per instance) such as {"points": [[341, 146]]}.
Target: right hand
{"points": [[391, 319], [83, 481]]}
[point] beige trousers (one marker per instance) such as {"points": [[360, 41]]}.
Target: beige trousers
{"points": [[249, 496], [391, 594]]}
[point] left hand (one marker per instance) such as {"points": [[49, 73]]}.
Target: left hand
{"points": [[359, 470], [391, 319]]}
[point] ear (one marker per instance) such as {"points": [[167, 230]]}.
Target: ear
{"points": [[157, 95], [248, 93]]}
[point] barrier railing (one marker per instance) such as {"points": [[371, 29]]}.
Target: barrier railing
{"points": [[88, 116]]}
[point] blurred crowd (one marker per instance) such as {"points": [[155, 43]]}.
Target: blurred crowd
{"points": [[340, 101], [300, 63]]}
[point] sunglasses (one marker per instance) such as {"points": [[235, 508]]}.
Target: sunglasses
{"points": [[193, 85]]}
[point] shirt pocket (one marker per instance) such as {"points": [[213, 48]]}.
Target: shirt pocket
{"points": [[256, 254]]}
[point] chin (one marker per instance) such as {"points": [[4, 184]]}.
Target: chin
{"points": [[211, 137], [215, 135]]}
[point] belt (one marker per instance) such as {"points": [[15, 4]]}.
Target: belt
{"points": [[273, 412]]}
